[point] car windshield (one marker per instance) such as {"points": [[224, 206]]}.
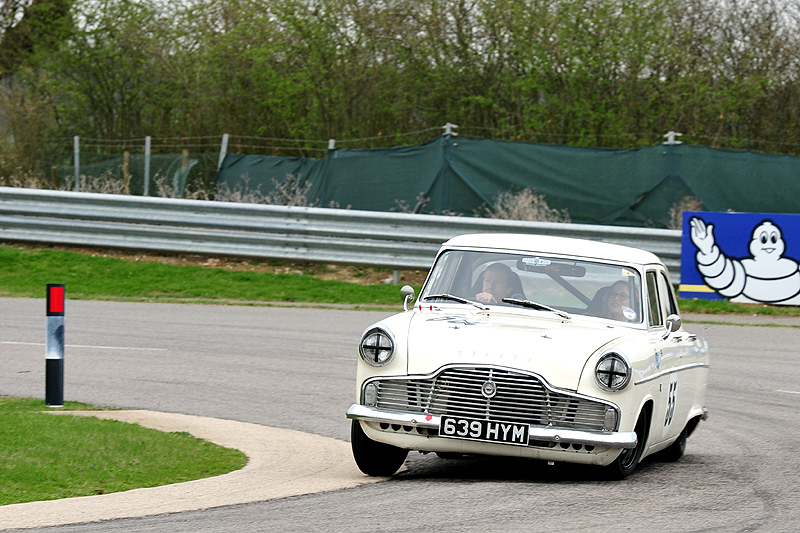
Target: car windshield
{"points": [[571, 286]]}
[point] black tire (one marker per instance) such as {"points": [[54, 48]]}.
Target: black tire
{"points": [[624, 465], [374, 458], [450, 455], [675, 450]]}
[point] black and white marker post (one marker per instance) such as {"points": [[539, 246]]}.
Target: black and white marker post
{"points": [[54, 347]]}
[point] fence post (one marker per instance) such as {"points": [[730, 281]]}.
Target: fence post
{"points": [[670, 138], [126, 170], [177, 188], [76, 141], [146, 190], [447, 137], [448, 129], [222, 150], [672, 163]]}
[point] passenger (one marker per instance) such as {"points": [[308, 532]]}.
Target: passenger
{"points": [[618, 303], [498, 283]]}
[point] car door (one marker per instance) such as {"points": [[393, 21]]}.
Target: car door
{"points": [[668, 353], [675, 358], [690, 367]]}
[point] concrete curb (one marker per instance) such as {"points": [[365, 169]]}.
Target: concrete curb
{"points": [[281, 463]]}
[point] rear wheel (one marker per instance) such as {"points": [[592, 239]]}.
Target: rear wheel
{"points": [[624, 465], [374, 458]]}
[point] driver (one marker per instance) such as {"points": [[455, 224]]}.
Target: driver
{"points": [[497, 284]]}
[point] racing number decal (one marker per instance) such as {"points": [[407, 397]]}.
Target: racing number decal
{"points": [[672, 399]]}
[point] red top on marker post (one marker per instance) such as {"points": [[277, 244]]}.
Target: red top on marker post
{"points": [[55, 299]]}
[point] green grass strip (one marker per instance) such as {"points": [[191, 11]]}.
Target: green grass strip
{"points": [[25, 273], [724, 307], [47, 457]]}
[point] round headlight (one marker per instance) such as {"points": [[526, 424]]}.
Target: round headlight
{"points": [[377, 347], [612, 372]]}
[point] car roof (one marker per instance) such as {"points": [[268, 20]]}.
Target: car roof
{"points": [[555, 245]]}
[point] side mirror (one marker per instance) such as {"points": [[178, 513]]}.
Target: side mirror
{"points": [[673, 324], [407, 291]]}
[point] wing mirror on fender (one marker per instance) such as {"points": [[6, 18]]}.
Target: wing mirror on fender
{"points": [[673, 324], [407, 292]]}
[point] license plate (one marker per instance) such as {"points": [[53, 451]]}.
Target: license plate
{"points": [[483, 430]]}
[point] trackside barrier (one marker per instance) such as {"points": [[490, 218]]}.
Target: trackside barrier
{"points": [[393, 240]]}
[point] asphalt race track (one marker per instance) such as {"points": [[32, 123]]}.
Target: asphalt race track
{"points": [[293, 368]]}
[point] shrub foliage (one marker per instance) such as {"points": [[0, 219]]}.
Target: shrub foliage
{"points": [[615, 73]]}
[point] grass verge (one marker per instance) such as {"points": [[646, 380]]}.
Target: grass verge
{"points": [[24, 272], [723, 307], [46, 457]]}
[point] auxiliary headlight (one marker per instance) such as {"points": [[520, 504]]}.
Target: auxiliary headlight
{"points": [[377, 347], [612, 372]]}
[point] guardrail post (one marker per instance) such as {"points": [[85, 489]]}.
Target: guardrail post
{"points": [[54, 347]]}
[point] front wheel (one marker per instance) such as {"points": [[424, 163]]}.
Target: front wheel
{"points": [[375, 458], [675, 450], [624, 465]]}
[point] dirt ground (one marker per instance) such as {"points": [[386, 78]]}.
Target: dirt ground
{"points": [[349, 273]]}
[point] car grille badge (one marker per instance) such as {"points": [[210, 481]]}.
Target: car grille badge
{"points": [[489, 389]]}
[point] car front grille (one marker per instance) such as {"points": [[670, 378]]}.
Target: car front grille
{"points": [[518, 397]]}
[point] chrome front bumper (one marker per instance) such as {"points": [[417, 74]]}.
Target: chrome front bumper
{"points": [[535, 433]]}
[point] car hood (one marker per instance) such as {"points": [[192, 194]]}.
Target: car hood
{"points": [[556, 350]]}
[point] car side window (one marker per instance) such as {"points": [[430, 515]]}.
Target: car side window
{"points": [[667, 295], [653, 305]]}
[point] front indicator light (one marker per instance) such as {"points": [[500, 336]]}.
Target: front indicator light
{"points": [[610, 419], [371, 395]]}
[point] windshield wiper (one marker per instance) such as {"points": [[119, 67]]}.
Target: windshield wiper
{"points": [[537, 305], [455, 299]]}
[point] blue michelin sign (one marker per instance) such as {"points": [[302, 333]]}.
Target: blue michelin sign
{"points": [[742, 257]]}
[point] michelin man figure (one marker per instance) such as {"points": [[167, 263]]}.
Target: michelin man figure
{"points": [[765, 277]]}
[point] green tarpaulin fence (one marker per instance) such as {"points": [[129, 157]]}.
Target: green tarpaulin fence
{"points": [[105, 173], [635, 187]]}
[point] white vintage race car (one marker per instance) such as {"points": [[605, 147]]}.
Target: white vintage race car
{"points": [[529, 346]]}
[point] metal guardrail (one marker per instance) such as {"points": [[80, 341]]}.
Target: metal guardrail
{"points": [[394, 240]]}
